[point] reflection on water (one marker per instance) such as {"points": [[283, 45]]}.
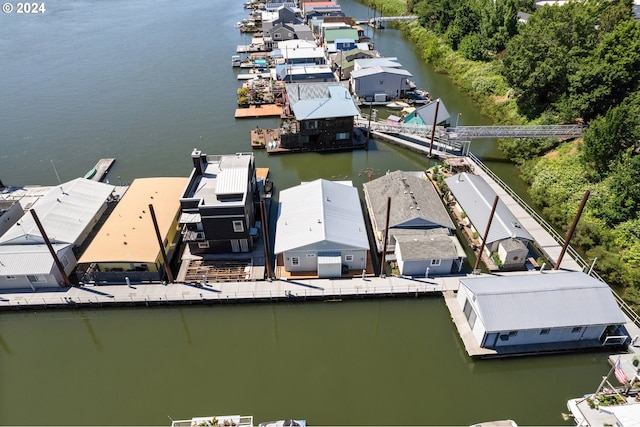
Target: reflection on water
{"points": [[146, 82]]}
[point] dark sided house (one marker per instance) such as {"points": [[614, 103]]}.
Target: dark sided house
{"points": [[218, 206], [324, 118]]}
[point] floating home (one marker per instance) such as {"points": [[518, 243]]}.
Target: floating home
{"points": [[322, 119], [67, 212], [320, 230], [473, 201], [219, 203], [549, 311], [420, 235], [126, 248]]}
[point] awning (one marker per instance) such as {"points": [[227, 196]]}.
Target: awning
{"points": [[190, 218]]}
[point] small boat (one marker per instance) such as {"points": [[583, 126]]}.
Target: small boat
{"points": [[215, 421], [499, 423], [398, 105], [284, 423], [90, 174]]}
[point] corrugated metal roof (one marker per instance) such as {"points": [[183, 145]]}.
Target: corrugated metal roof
{"points": [[232, 181], [543, 300], [65, 211], [323, 213], [414, 202], [379, 70], [18, 260], [426, 112], [376, 62], [338, 104], [476, 199]]}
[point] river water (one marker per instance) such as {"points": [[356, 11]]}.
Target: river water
{"points": [[147, 81]]}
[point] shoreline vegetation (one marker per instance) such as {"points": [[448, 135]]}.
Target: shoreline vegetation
{"points": [[577, 63]]}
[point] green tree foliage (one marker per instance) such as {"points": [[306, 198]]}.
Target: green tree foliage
{"points": [[609, 136], [435, 15], [607, 75], [621, 202], [539, 60], [499, 23]]}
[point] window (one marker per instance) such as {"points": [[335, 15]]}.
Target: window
{"points": [[36, 279], [342, 135], [513, 333], [348, 258], [311, 255], [203, 245], [435, 262], [64, 261], [312, 124], [576, 329], [10, 277], [295, 260], [469, 313], [545, 331], [238, 226]]}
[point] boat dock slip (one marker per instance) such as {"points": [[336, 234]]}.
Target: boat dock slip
{"points": [[264, 110], [101, 169]]}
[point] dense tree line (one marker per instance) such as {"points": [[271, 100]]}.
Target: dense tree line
{"points": [[574, 63]]}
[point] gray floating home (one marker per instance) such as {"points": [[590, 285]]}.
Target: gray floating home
{"points": [[552, 310]]}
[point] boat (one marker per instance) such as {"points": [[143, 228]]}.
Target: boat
{"points": [[236, 61], [398, 105], [610, 405], [215, 421], [499, 423], [90, 174], [284, 423]]}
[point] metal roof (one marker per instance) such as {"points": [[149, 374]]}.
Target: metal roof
{"points": [[339, 103], [65, 211], [303, 51], [223, 175], [371, 71], [323, 213], [332, 34], [18, 260], [428, 111], [543, 300], [362, 63], [414, 202], [476, 197]]}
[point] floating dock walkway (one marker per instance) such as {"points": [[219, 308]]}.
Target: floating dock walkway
{"points": [[101, 169], [152, 294]]}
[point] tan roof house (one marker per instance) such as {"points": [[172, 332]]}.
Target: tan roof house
{"points": [[127, 246]]}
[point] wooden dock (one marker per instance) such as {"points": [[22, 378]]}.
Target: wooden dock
{"points": [[264, 110], [101, 169], [261, 137]]}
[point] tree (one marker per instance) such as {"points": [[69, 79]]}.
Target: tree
{"points": [[607, 137], [608, 75], [539, 60]]}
